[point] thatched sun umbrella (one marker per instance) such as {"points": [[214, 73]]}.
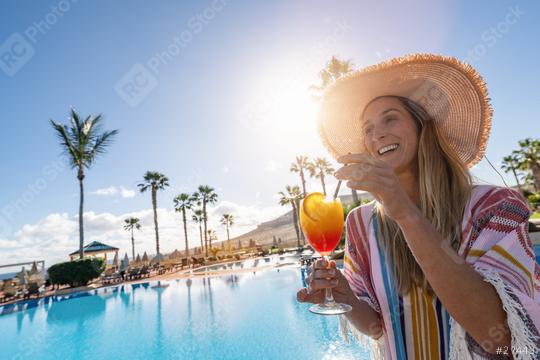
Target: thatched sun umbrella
{"points": [[138, 259], [34, 269], [115, 260], [175, 254], [158, 258], [124, 263], [145, 258], [22, 277]]}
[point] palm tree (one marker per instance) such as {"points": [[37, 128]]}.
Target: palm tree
{"points": [[319, 168], [83, 141], [154, 181], [334, 69], [511, 163], [198, 217], [529, 155], [131, 224], [300, 166], [292, 197], [206, 195], [182, 203], [211, 237], [228, 221]]}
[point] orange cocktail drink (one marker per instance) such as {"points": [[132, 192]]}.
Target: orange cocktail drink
{"points": [[322, 222]]}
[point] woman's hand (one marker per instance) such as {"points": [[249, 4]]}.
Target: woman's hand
{"points": [[320, 277], [364, 172]]}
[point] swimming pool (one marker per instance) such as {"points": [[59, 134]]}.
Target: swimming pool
{"points": [[239, 316]]}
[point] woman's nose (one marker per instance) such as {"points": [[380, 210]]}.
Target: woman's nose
{"points": [[379, 134]]}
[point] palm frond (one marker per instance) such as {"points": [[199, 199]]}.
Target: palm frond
{"points": [[100, 145], [66, 143], [83, 140]]}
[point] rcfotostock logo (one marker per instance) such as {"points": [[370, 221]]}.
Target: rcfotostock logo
{"points": [[18, 49], [135, 85], [15, 52], [141, 79]]}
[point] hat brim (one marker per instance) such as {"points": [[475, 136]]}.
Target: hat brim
{"points": [[452, 93]]}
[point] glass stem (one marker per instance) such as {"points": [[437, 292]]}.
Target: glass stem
{"points": [[328, 297]]}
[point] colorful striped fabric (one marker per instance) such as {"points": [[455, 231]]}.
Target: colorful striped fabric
{"points": [[495, 242]]}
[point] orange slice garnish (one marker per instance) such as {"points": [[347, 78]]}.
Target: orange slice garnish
{"points": [[313, 205]]}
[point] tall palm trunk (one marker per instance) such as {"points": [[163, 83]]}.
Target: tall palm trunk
{"points": [[535, 169], [80, 177], [323, 184], [517, 180], [228, 239], [154, 205], [185, 230], [132, 245], [205, 230], [303, 179], [200, 233], [355, 197], [295, 221]]}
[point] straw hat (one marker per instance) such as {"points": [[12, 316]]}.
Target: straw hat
{"points": [[452, 92]]}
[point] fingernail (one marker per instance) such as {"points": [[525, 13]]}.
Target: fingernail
{"points": [[332, 271]]}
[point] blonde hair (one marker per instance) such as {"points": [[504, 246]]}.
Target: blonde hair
{"points": [[444, 187]]}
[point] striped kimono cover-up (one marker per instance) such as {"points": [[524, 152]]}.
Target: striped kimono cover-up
{"points": [[495, 242]]}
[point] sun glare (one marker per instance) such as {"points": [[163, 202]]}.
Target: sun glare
{"points": [[286, 112]]}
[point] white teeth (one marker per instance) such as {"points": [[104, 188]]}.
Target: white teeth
{"points": [[388, 148]]}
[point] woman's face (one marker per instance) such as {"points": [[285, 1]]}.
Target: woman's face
{"points": [[387, 123]]}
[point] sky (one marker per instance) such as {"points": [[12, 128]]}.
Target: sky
{"points": [[216, 93]]}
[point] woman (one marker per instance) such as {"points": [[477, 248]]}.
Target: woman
{"points": [[435, 267]]}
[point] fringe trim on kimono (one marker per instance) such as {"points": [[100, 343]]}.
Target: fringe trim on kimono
{"points": [[375, 347], [523, 338]]}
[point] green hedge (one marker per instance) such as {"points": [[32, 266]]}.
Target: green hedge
{"points": [[76, 273], [534, 199]]}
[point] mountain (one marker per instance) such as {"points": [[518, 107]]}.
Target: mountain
{"points": [[281, 228]]}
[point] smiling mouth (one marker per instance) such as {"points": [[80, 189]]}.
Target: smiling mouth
{"points": [[387, 149]]}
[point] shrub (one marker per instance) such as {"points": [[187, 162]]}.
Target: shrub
{"points": [[76, 273], [534, 199]]}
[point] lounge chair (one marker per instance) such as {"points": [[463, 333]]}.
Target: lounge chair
{"points": [[112, 278], [11, 292], [133, 273], [144, 272], [33, 290]]}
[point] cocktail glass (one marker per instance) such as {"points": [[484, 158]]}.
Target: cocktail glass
{"points": [[322, 223]]}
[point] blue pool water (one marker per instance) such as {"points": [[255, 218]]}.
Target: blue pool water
{"points": [[537, 253], [243, 316]]}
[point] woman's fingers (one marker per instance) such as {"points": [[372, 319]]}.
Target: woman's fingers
{"points": [[361, 171], [319, 284], [325, 273], [357, 158], [322, 264], [322, 274], [305, 296]]}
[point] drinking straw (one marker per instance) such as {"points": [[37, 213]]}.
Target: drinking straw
{"points": [[337, 190]]}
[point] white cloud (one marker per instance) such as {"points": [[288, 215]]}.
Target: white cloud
{"points": [[226, 169], [126, 193], [53, 237], [113, 191]]}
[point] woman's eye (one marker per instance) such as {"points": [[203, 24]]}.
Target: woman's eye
{"points": [[389, 119]]}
